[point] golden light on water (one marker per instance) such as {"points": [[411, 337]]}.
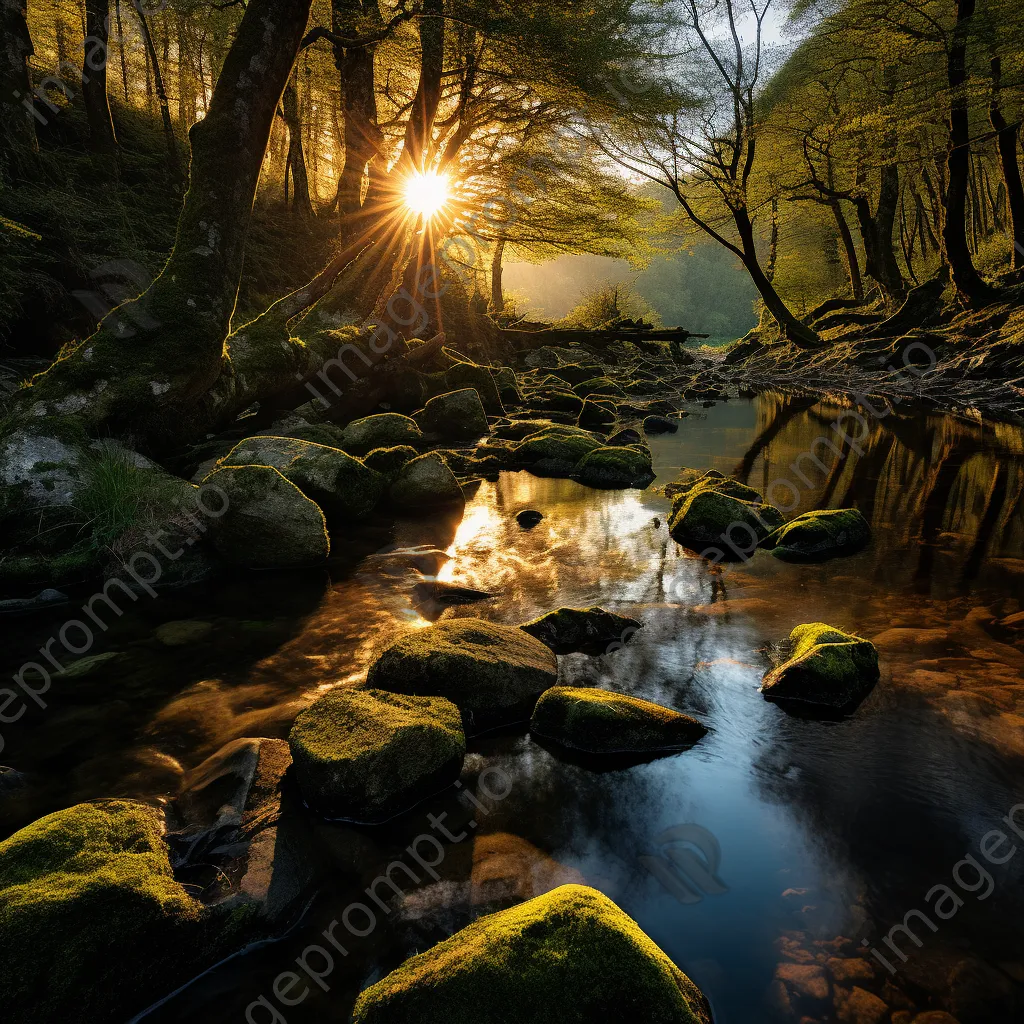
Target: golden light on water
{"points": [[426, 194]]}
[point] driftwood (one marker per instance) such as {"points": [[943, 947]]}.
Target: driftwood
{"points": [[524, 340]]}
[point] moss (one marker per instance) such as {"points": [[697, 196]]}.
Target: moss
{"points": [[493, 673], [479, 379], [712, 513], [570, 956], [616, 467], [457, 414], [426, 482], [384, 430], [818, 536], [827, 667], [389, 461], [601, 722], [596, 414], [576, 373], [714, 481], [555, 451], [508, 385], [367, 755], [319, 433], [83, 892], [598, 386], [73, 565], [583, 630]]}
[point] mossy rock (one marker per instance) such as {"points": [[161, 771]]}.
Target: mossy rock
{"points": [[342, 485], [598, 386], [390, 461], [818, 536], [268, 523], [555, 400], [319, 433], [384, 430], [712, 480], [827, 668], [570, 956], [576, 373], [469, 376], [602, 722], [582, 630], [493, 673], [367, 755], [596, 414], [508, 385], [457, 415], [555, 451], [615, 467], [426, 482], [705, 516], [627, 438], [660, 425], [93, 925]]}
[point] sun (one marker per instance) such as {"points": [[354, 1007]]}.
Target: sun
{"points": [[426, 194]]}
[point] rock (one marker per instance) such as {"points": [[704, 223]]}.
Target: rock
{"points": [[11, 780], [721, 515], [614, 468], [555, 450], [598, 386], [426, 482], [508, 385], [828, 667], [44, 599], [601, 722], [91, 888], [817, 536], [319, 433], [575, 373], [182, 634], [437, 592], [268, 522], [850, 972], [978, 993], [385, 430], [529, 518], [807, 982], [458, 415], [90, 665], [343, 486], [469, 376], [508, 870], [596, 414], [569, 956], [862, 1007], [934, 1017], [624, 439], [584, 630], [368, 755], [390, 461], [493, 673], [660, 425]]}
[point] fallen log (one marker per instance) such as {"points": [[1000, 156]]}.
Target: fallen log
{"points": [[524, 340]]}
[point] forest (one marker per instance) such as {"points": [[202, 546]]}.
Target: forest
{"points": [[511, 511]]}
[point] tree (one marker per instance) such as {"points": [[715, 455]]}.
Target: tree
{"points": [[102, 137]]}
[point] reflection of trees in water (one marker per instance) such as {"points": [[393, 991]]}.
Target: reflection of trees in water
{"points": [[921, 480]]}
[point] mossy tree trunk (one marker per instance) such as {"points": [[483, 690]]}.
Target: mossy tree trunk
{"points": [[17, 127], [1007, 135], [151, 383]]}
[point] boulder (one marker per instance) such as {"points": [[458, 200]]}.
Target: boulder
{"points": [[614, 468], [598, 386], [390, 461], [602, 722], [570, 955], [529, 518], [493, 673], [624, 438], [596, 414], [367, 755], [827, 668], [458, 415], [343, 486], [720, 514], [90, 888], [470, 376], [818, 536], [268, 522], [555, 450], [426, 482], [385, 430], [582, 630], [660, 425], [508, 385], [576, 373]]}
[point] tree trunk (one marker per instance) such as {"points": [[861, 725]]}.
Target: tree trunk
{"points": [[879, 257], [120, 48], [17, 123], [1006, 137], [497, 291], [969, 285], [94, 76], [301, 203], [420, 126], [850, 250], [885, 223], [151, 384], [173, 162]]}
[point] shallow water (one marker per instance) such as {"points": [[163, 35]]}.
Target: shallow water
{"points": [[855, 819]]}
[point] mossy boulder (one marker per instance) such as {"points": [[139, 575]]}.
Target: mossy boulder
{"points": [[508, 385], [390, 461], [818, 536], [319, 433], [458, 415], [598, 386], [385, 430], [93, 924], [827, 668], [576, 373], [602, 722], [470, 376], [342, 485], [691, 480], [367, 755], [426, 482], [268, 522], [555, 450], [707, 516], [660, 425], [582, 630], [625, 438], [493, 673], [596, 414], [570, 956], [615, 467], [555, 400]]}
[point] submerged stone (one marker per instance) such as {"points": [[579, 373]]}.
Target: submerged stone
{"points": [[529, 518], [613, 468], [458, 414], [383, 430], [827, 667], [267, 522], [582, 630], [426, 482], [602, 722], [367, 755], [570, 956], [493, 673], [818, 536]]}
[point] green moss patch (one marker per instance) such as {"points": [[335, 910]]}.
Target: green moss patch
{"points": [[385, 430], [426, 482], [818, 536], [613, 468], [458, 415]]}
